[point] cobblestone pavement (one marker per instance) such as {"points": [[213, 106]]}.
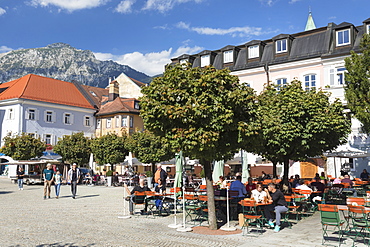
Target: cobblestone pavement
{"points": [[92, 220]]}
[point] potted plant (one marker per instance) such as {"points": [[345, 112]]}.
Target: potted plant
{"points": [[149, 178]]}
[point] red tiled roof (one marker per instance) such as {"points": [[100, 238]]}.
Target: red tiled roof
{"points": [[97, 94], [44, 89], [116, 106]]}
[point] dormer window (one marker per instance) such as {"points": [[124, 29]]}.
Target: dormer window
{"points": [[343, 37], [205, 60], [253, 51], [228, 56], [184, 61], [136, 105], [281, 46]]}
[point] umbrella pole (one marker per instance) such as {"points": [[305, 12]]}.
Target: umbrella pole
{"points": [[227, 228], [125, 215], [174, 225], [183, 228]]}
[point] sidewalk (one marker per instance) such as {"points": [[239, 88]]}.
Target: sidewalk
{"points": [[92, 220]]}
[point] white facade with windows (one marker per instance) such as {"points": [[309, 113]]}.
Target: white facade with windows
{"points": [[43, 120]]}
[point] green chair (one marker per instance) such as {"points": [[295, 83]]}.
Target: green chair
{"points": [[251, 217], [192, 207], [330, 218], [360, 223], [292, 210]]}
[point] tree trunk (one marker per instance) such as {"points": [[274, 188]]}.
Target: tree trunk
{"points": [[286, 171], [274, 175], [211, 195]]}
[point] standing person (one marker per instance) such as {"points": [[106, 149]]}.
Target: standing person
{"points": [[276, 197], [160, 174], [20, 176], [74, 176], [57, 183], [48, 175]]}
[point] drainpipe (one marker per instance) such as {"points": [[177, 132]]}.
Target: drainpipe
{"points": [[266, 67]]}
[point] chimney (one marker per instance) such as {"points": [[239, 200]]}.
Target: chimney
{"points": [[113, 91]]}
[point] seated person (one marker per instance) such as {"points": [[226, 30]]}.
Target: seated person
{"points": [[237, 185], [161, 189], [347, 180], [364, 175], [258, 194], [221, 182], [250, 186], [295, 182], [131, 194], [279, 205]]}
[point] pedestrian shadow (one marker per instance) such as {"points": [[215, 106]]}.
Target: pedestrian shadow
{"points": [[6, 192], [62, 245], [79, 197]]}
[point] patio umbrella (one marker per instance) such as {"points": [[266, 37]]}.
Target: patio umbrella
{"points": [[245, 171], [218, 170], [91, 161], [179, 160]]}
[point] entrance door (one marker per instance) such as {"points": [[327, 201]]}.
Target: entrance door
{"points": [[308, 169]]}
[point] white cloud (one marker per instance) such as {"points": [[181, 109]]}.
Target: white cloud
{"points": [[4, 49], [294, 1], [2, 11], [70, 5], [269, 2], [125, 6], [233, 31], [150, 63], [165, 5]]}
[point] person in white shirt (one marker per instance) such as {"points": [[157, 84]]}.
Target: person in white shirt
{"points": [[303, 186], [258, 194]]}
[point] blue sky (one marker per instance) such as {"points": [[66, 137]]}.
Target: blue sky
{"points": [[146, 34]]}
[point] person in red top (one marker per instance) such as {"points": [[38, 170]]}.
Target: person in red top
{"points": [[250, 186]]}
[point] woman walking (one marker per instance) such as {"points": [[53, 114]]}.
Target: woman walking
{"points": [[58, 182]]}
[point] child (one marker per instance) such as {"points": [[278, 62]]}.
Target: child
{"points": [[58, 182]]}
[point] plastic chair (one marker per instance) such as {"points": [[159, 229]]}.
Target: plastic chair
{"points": [[329, 215]]}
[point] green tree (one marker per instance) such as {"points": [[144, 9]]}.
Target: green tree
{"points": [[357, 83], [148, 148], [74, 148], [109, 149], [22, 147], [198, 111], [294, 124]]}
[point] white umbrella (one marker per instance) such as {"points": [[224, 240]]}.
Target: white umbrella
{"points": [[245, 171]]}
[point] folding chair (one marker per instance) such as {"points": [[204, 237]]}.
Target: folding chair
{"points": [[292, 209], [203, 200], [192, 206], [139, 199], [360, 223], [251, 218], [329, 215]]}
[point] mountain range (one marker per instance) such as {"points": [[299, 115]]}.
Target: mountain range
{"points": [[64, 62]]}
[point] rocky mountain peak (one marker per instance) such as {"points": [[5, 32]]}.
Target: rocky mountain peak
{"points": [[64, 62]]}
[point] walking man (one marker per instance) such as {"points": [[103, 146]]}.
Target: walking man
{"points": [[20, 176], [73, 177], [48, 175]]}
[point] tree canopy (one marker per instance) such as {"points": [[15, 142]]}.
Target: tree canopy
{"points": [[74, 148], [198, 111], [293, 124], [148, 148], [109, 149], [357, 83], [23, 147]]}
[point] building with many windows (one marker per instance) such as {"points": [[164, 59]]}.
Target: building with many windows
{"points": [[44, 107], [315, 57]]}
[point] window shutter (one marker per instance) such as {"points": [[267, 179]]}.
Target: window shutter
{"points": [[53, 117], [26, 114], [72, 118], [37, 113]]}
